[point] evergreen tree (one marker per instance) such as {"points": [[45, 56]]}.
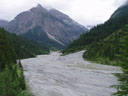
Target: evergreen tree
{"points": [[123, 56], [12, 47]]}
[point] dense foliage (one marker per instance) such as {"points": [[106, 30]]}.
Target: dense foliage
{"points": [[12, 47], [25, 48], [107, 51], [108, 44], [99, 32], [123, 57]]}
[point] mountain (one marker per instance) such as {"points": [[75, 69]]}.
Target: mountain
{"points": [[23, 48], [110, 47], [108, 44], [3, 23], [98, 33], [113, 50], [51, 27], [12, 49], [121, 11], [90, 27]]}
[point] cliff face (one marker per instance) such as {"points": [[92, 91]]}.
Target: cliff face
{"points": [[47, 26]]}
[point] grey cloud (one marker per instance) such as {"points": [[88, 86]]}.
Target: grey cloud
{"points": [[86, 12]]}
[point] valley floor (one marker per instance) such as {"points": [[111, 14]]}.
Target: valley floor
{"points": [[55, 75]]}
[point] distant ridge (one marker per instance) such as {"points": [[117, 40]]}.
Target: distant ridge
{"points": [[3, 23]]}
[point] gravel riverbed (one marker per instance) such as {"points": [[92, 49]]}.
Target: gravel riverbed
{"points": [[70, 75]]}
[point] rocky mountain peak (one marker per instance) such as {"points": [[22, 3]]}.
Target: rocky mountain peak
{"points": [[39, 6], [51, 27]]}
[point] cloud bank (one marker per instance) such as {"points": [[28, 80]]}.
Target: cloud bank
{"points": [[86, 12]]}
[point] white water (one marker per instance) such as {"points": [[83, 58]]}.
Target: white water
{"points": [[55, 75]]}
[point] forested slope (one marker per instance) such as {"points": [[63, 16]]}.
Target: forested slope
{"points": [[12, 47], [109, 49], [25, 48], [108, 44], [118, 20]]}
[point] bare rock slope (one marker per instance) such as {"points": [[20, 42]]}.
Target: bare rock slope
{"points": [[55, 75], [47, 26]]}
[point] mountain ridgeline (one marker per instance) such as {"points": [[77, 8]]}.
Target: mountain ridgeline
{"points": [[28, 35], [118, 20], [3, 23], [107, 44], [51, 27]]}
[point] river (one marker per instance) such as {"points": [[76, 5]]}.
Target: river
{"points": [[70, 75]]}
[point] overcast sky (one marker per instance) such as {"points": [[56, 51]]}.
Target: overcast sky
{"points": [[86, 12]]}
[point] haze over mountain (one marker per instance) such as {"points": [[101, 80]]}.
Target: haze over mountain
{"points": [[121, 11], [117, 21], [51, 27], [3, 23], [107, 44]]}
